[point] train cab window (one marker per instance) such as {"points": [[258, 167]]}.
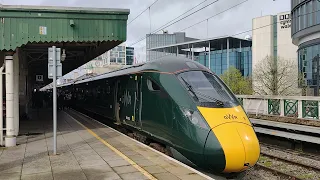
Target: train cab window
{"points": [[152, 86], [207, 89]]}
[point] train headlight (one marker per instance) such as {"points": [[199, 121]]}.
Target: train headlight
{"points": [[195, 118]]}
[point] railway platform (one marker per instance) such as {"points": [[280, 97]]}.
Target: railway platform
{"points": [[86, 150]]}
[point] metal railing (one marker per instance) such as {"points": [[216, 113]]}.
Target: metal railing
{"points": [[287, 106]]}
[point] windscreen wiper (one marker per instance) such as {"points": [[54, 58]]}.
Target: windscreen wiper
{"points": [[190, 88], [219, 102]]}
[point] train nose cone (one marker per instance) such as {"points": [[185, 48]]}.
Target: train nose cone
{"points": [[239, 144]]}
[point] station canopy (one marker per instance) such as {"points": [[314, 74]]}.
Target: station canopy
{"points": [[82, 33]]}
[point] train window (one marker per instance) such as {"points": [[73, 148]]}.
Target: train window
{"points": [[152, 86], [207, 89]]}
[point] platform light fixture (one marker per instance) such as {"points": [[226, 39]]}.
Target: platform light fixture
{"points": [[64, 55], [71, 22]]}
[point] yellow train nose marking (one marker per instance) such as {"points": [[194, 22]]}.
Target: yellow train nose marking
{"points": [[218, 116], [236, 136]]}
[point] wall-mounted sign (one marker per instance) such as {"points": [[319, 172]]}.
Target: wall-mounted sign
{"points": [[39, 78], [42, 30], [285, 21]]}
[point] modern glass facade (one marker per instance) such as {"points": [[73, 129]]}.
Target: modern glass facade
{"points": [[305, 33], [118, 55], [305, 14], [307, 64], [129, 55], [238, 58]]}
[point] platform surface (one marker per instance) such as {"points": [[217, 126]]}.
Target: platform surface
{"points": [[87, 150]]}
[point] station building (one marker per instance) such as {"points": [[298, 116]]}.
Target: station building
{"points": [[82, 34]]}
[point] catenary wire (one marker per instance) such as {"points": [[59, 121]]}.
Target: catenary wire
{"points": [[206, 18], [176, 21], [214, 15], [142, 12], [161, 27], [255, 28]]}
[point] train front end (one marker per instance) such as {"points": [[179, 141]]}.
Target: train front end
{"points": [[231, 145]]}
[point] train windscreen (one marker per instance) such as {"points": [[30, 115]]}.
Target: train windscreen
{"points": [[207, 89]]}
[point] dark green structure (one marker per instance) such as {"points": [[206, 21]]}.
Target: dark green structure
{"points": [[166, 100], [150, 99], [83, 33], [25, 25]]}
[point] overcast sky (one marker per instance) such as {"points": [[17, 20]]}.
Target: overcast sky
{"points": [[236, 20]]}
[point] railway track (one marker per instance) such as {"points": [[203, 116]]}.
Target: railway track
{"points": [[281, 174], [315, 157], [292, 162], [287, 168], [259, 165]]}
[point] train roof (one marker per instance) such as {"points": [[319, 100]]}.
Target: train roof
{"points": [[167, 65]]}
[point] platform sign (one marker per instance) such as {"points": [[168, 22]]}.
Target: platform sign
{"points": [[58, 63], [58, 71], [39, 78], [54, 72], [42, 30]]}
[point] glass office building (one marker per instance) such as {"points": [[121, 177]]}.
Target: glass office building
{"points": [[129, 55], [165, 39], [118, 55], [308, 63], [306, 34], [242, 60], [224, 53]]}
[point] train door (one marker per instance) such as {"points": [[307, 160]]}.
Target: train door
{"points": [[138, 101], [117, 99]]}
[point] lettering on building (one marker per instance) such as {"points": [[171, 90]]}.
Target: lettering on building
{"points": [[285, 21]]}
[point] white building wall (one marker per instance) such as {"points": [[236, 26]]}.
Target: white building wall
{"points": [[262, 43], [286, 49], [262, 39]]}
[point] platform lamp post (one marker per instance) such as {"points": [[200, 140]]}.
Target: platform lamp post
{"points": [[54, 72]]}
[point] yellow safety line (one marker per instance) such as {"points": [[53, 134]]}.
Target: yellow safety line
{"points": [[144, 172]]}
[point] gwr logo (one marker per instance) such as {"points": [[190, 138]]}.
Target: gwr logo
{"points": [[229, 116], [126, 98]]}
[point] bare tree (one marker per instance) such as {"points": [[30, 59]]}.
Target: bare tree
{"points": [[276, 76]]}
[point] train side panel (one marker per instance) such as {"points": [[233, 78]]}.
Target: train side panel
{"points": [[187, 138], [127, 99], [156, 108]]}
